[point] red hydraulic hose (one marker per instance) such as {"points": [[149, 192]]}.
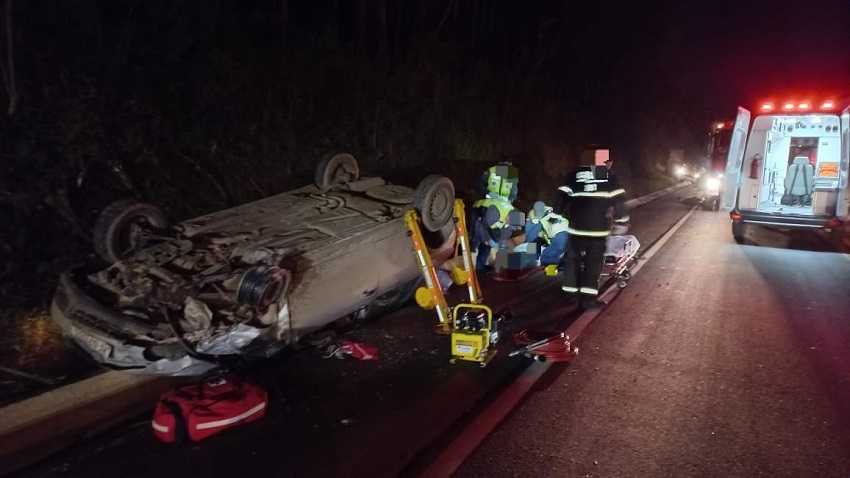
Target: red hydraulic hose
{"points": [[544, 347]]}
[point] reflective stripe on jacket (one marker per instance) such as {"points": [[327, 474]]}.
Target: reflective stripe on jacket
{"points": [[587, 198], [502, 204], [551, 224]]}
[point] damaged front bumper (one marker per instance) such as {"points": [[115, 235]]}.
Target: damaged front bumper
{"points": [[140, 348]]}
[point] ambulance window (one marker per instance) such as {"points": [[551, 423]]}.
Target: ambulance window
{"points": [[724, 139], [807, 147]]}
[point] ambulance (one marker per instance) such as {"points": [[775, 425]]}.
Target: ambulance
{"points": [[789, 168]]}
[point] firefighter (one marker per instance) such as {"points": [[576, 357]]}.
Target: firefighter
{"points": [[489, 215], [585, 200], [549, 230]]}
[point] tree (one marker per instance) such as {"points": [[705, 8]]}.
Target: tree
{"points": [[7, 66]]}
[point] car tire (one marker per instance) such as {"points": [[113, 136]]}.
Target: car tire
{"points": [[116, 229], [336, 170], [434, 201]]}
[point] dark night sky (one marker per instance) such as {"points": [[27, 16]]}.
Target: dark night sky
{"points": [[747, 50], [711, 55]]}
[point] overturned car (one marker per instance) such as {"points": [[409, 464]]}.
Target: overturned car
{"points": [[248, 281]]}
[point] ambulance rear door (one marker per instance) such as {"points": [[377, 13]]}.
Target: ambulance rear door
{"points": [[842, 203], [735, 158]]}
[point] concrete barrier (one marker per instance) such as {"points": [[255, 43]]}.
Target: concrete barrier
{"points": [[32, 429], [633, 203]]}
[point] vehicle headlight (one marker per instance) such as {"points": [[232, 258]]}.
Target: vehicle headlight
{"points": [[713, 183]]}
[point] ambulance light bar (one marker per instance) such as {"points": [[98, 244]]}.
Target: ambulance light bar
{"points": [[798, 106]]}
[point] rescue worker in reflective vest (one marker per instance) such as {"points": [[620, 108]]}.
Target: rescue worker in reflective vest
{"points": [[500, 184], [549, 230], [585, 200]]}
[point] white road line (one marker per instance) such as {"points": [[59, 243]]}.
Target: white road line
{"points": [[455, 453], [662, 240]]}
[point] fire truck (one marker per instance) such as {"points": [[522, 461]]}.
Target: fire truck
{"points": [[719, 138], [788, 167], [710, 183]]}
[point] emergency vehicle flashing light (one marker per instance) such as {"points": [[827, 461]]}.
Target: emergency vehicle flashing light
{"points": [[799, 106]]}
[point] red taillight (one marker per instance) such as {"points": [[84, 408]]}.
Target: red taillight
{"points": [[735, 216], [804, 106], [788, 106], [828, 105], [834, 223], [767, 107]]}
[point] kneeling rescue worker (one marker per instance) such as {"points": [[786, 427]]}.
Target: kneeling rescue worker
{"points": [[585, 199], [548, 229]]}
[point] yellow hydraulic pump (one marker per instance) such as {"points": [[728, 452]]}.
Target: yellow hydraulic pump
{"points": [[474, 336]]}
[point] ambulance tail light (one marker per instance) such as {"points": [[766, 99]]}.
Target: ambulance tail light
{"points": [[788, 106], [828, 105], [804, 106], [735, 216], [767, 107]]}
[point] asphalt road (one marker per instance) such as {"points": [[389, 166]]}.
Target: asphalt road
{"points": [[331, 417], [717, 360]]}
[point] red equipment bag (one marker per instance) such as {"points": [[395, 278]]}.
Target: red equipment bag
{"points": [[215, 403]]}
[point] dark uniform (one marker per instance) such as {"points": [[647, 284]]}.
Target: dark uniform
{"points": [[585, 201]]}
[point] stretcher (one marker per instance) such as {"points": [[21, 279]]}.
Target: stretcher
{"points": [[621, 255]]}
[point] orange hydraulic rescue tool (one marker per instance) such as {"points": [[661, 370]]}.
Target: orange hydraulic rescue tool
{"points": [[432, 296]]}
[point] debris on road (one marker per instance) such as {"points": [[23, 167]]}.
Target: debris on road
{"points": [[357, 350]]}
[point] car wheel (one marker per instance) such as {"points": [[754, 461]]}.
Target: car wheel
{"points": [[121, 226], [335, 170], [434, 200]]}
